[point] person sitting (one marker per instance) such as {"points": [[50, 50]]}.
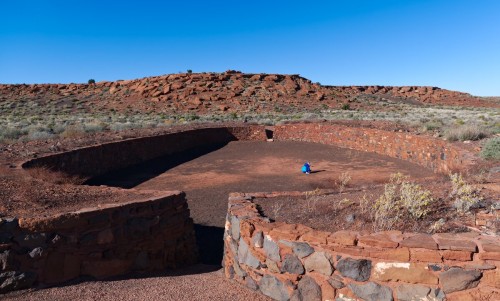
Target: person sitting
{"points": [[306, 168]]}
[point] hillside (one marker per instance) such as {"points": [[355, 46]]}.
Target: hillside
{"points": [[231, 91]]}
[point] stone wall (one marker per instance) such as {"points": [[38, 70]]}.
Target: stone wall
{"points": [[295, 262], [99, 159], [437, 154], [111, 240]]}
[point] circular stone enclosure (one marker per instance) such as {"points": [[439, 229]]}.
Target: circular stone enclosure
{"points": [[210, 162]]}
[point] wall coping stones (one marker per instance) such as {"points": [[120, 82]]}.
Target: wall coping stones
{"points": [[416, 262]]}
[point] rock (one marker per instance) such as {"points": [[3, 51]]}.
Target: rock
{"points": [[336, 282], [291, 264], [31, 240], [404, 271], [245, 256], [235, 228], [272, 266], [36, 252], [258, 239], [237, 269], [271, 249], [319, 262], [307, 290], [371, 291], [358, 270], [406, 292], [350, 218], [274, 288], [250, 283], [302, 249], [10, 281], [457, 279], [420, 241], [8, 261]]}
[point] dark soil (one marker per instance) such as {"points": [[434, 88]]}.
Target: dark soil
{"points": [[347, 211]]}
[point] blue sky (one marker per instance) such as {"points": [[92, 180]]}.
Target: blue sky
{"points": [[453, 44]]}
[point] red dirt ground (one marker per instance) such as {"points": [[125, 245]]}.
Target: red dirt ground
{"points": [[267, 166]]}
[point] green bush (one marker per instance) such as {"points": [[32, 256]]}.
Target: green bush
{"points": [[491, 149], [91, 81], [346, 107]]}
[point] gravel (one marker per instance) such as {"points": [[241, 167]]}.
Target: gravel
{"points": [[199, 282]]}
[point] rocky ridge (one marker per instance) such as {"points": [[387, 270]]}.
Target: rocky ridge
{"points": [[231, 91]]}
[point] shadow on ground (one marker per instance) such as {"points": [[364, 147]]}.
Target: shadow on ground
{"points": [[134, 175], [210, 244]]}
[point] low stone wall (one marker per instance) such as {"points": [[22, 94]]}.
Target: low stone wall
{"points": [[111, 240], [437, 154], [295, 262], [99, 159]]}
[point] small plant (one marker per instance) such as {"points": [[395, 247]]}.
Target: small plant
{"points": [[189, 71], [344, 180], [276, 209], [346, 107], [401, 199], [464, 195], [91, 81], [491, 149]]}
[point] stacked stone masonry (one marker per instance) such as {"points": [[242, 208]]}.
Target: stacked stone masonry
{"points": [[437, 154], [295, 262], [111, 240]]}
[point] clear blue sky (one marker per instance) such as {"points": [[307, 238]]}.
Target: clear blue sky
{"points": [[453, 44]]}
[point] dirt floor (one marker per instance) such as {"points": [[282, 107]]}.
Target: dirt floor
{"points": [[245, 166]]}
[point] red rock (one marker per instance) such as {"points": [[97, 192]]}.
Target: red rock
{"points": [[425, 255], [457, 255], [456, 245], [424, 241], [347, 238], [379, 240], [399, 254], [489, 256]]}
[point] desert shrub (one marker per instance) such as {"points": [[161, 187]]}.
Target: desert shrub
{"points": [[466, 132], [464, 196], [95, 127], [72, 131], [189, 71], [39, 135], [346, 107], [11, 133], [401, 199], [91, 81], [491, 149], [344, 180]]}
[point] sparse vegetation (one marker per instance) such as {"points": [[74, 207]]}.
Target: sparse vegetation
{"points": [[464, 195], [91, 81], [401, 200], [491, 149], [343, 180], [466, 132]]}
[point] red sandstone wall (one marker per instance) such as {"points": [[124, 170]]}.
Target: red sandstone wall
{"points": [[295, 262], [439, 155], [100, 159], [115, 239]]}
